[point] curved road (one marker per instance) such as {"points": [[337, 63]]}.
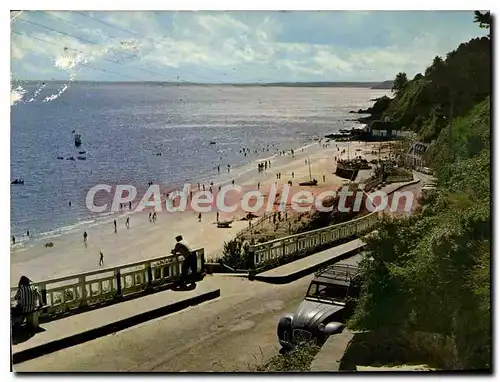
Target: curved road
{"points": [[231, 333]]}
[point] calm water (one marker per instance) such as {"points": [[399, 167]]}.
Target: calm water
{"points": [[123, 126]]}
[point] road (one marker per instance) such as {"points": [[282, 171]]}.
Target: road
{"points": [[231, 333]]}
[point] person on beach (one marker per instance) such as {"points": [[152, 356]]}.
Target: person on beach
{"points": [[114, 223], [199, 217], [324, 179], [228, 168], [127, 223], [129, 205], [188, 259], [232, 182], [150, 217], [293, 174], [218, 169], [217, 218], [85, 237], [258, 185], [13, 240], [154, 217], [69, 203], [28, 233], [101, 259]]}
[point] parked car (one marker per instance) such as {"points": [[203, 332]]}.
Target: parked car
{"points": [[327, 303]]}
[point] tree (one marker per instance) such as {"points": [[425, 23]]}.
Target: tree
{"points": [[400, 83], [484, 19]]}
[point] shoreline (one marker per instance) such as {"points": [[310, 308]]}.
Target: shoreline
{"points": [[145, 240], [24, 243]]}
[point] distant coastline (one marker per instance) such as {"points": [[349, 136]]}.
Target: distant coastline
{"points": [[340, 84]]}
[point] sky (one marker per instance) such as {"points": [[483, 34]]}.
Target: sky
{"points": [[232, 47]]}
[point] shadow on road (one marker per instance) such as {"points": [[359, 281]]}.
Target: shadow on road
{"points": [[23, 334]]}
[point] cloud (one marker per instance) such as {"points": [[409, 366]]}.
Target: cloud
{"points": [[246, 46]]}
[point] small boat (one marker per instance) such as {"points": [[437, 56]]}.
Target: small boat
{"points": [[158, 154], [224, 224], [212, 143], [17, 181], [312, 182], [78, 140], [81, 158], [60, 157], [70, 158], [82, 152]]}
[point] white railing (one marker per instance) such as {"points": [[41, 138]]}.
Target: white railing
{"points": [[93, 288], [290, 245]]}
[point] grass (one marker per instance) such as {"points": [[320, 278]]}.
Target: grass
{"points": [[296, 360]]}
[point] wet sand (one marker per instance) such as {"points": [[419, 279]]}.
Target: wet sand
{"points": [[145, 240]]}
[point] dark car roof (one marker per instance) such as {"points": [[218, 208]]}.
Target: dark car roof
{"points": [[339, 273]]}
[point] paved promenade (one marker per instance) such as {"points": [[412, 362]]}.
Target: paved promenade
{"points": [[299, 268], [79, 328]]}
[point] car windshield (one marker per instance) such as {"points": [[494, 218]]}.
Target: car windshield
{"points": [[327, 291]]}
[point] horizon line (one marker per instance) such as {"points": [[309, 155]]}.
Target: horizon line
{"points": [[213, 83]]}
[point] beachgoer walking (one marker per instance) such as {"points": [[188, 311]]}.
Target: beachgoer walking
{"points": [[217, 219], [199, 217], [85, 237], [154, 217], [101, 259], [150, 217], [324, 179], [258, 185], [233, 182], [13, 240], [129, 205], [293, 174], [228, 168], [69, 203], [127, 223], [28, 233], [114, 223], [218, 169]]}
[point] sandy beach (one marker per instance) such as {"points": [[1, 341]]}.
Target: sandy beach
{"points": [[145, 240]]}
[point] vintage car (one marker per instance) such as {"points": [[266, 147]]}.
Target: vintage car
{"points": [[325, 307]]}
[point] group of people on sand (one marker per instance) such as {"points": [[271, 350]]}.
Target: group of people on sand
{"points": [[263, 165]]}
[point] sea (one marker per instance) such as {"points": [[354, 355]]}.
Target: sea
{"points": [[125, 126]]}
